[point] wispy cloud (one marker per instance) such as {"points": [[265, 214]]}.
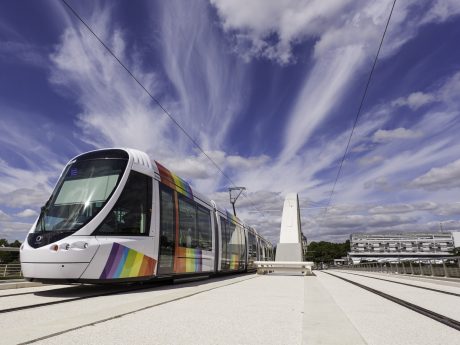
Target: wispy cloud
{"points": [[400, 173], [383, 135], [415, 100], [444, 177]]}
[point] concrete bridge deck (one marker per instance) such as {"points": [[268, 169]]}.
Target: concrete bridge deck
{"points": [[250, 309]]}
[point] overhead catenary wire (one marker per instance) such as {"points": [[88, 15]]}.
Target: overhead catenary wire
{"points": [[160, 105], [358, 113]]}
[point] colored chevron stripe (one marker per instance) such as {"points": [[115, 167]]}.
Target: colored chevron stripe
{"points": [[124, 262], [173, 181], [188, 260], [234, 263]]}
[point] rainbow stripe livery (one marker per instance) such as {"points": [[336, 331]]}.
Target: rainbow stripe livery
{"points": [[234, 262], [173, 181], [189, 260], [124, 262]]}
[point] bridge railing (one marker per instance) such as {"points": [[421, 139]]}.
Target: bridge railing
{"points": [[437, 267], [10, 270]]}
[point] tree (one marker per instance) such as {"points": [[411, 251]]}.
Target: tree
{"points": [[327, 251], [9, 257], [455, 251]]}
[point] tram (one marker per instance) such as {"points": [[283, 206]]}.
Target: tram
{"points": [[117, 216]]}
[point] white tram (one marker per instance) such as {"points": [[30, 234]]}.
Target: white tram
{"points": [[117, 216]]}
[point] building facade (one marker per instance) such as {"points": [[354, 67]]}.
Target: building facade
{"points": [[401, 244]]}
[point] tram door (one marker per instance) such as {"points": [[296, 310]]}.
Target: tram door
{"points": [[167, 231]]}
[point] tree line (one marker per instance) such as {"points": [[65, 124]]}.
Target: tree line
{"points": [[9, 257], [326, 251]]}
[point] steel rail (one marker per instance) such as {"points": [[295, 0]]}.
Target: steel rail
{"points": [[68, 300], [407, 284], [426, 312]]}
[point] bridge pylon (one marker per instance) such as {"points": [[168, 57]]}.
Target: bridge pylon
{"points": [[290, 246]]}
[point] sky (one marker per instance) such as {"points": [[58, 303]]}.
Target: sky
{"points": [[269, 89]]}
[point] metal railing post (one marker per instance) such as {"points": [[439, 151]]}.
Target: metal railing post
{"points": [[4, 271], [431, 267], [446, 273]]}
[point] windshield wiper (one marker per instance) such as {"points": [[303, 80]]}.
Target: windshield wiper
{"points": [[41, 218]]}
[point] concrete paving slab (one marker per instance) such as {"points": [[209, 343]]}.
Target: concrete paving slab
{"points": [[27, 325], [265, 310], [382, 322], [431, 300], [17, 284], [320, 313]]}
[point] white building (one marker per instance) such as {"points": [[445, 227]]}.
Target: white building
{"points": [[402, 244], [456, 235]]}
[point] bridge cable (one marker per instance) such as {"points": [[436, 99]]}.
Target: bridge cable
{"points": [[359, 111], [75, 13]]}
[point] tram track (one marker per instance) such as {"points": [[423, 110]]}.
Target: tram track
{"points": [[186, 290], [17, 294], [123, 289], [49, 289], [426, 312], [406, 284], [73, 299]]}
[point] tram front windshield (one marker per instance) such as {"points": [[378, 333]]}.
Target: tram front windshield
{"points": [[80, 194]]}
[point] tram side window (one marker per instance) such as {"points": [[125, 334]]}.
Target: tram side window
{"points": [[167, 233], [131, 214], [241, 243], [252, 246], [204, 229], [233, 240], [188, 236], [225, 240]]}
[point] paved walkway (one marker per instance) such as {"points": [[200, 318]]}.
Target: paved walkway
{"points": [[251, 309]]}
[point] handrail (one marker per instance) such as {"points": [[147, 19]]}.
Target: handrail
{"points": [[436, 267], [10, 270]]}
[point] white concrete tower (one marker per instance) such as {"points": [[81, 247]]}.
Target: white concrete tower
{"points": [[290, 246]]}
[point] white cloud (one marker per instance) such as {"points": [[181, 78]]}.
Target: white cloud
{"points": [[383, 135], [4, 216], [452, 209], [27, 213], [345, 35], [444, 177], [257, 21], [415, 100], [14, 230], [370, 160], [385, 209], [404, 208], [22, 51], [115, 110], [365, 221], [208, 94], [441, 10], [446, 95]]}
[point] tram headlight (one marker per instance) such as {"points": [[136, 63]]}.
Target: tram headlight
{"points": [[85, 245], [54, 247]]}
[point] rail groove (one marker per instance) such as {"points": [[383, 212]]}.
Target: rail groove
{"points": [[426, 312], [407, 284]]}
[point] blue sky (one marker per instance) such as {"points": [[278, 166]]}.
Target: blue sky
{"points": [[269, 89]]}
